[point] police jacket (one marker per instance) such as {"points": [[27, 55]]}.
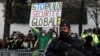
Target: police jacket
{"points": [[60, 48]]}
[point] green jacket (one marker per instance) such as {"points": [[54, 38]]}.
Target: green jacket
{"points": [[43, 40]]}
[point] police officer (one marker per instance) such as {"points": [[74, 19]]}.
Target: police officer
{"points": [[62, 46], [94, 36], [91, 42], [10, 42]]}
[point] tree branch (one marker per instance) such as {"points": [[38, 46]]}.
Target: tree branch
{"points": [[92, 16]]}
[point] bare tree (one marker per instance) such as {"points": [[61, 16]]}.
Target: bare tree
{"points": [[95, 13]]}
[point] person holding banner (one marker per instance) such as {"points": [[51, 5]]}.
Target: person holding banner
{"points": [[42, 38], [63, 45]]}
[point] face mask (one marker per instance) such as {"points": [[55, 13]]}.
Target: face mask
{"points": [[54, 35], [43, 34], [73, 35], [64, 34], [14, 37], [89, 33], [25, 44]]}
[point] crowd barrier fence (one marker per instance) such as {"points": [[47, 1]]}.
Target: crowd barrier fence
{"points": [[21, 52]]}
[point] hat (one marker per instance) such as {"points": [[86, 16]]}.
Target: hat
{"points": [[64, 23]]}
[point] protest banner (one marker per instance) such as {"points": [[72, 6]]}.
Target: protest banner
{"points": [[45, 14]]}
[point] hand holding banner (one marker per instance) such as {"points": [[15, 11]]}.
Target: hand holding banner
{"points": [[45, 14]]}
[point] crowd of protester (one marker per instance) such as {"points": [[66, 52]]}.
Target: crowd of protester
{"points": [[33, 40], [39, 39]]}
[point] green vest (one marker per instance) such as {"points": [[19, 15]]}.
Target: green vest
{"points": [[95, 38]]}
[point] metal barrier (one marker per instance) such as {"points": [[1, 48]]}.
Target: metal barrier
{"points": [[21, 52]]}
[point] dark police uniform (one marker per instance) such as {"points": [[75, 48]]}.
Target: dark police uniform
{"points": [[63, 46]]}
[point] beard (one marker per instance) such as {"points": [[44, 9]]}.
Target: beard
{"points": [[64, 36]]}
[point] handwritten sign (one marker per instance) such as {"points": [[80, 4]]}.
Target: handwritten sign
{"points": [[45, 14]]}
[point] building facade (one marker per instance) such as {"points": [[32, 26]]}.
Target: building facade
{"points": [[25, 27]]}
